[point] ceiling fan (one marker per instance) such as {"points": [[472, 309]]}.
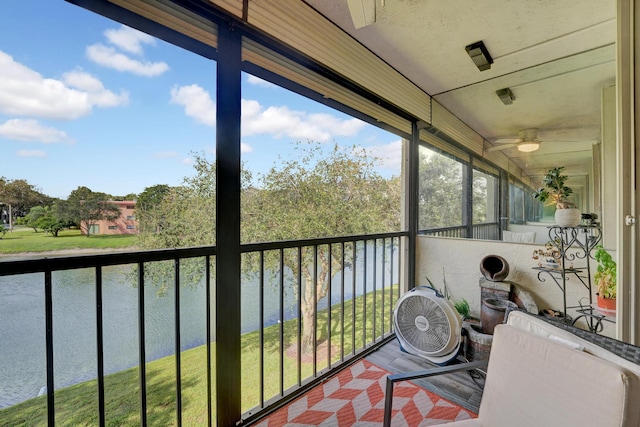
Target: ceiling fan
{"points": [[527, 141]]}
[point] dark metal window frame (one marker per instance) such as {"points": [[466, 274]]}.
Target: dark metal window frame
{"points": [[467, 229], [230, 33]]}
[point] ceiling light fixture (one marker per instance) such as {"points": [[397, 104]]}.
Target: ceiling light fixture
{"points": [[479, 55], [528, 146], [363, 12], [506, 96]]}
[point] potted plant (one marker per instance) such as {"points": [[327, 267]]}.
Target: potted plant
{"points": [[605, 279], [462, 307], [554, 190]]}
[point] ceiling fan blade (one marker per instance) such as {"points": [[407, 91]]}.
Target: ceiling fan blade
{"points": [[501, 147], [508, 140]]}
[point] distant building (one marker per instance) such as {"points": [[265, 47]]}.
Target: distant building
{"points": [[125, 224]]}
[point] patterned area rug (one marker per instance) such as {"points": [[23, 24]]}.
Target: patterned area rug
{"points": [[355, 397]]}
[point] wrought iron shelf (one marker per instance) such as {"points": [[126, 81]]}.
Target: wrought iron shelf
{"points": [[574, 244], [596, 316]]}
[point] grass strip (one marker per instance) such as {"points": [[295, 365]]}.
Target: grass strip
{"points": [[26, 240]]}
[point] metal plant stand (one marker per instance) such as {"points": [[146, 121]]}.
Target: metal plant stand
{"points": [[574, 244]]}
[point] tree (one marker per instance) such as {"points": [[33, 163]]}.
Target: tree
{"points": [[440, 191], [147, 207], [52, 222], [21, 195], [321, 194], [85, 208], [151, 197], [32, 219], [130, 196], [480, 185], [176, 217]]}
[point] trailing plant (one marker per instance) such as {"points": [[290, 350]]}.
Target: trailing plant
{"points": [[605, 277], [554, 189]]}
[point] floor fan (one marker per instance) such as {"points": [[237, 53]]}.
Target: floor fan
{"points": [[428, 325]]}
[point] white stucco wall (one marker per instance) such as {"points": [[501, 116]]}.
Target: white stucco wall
{"points": [[541, 230], [459, 261]]}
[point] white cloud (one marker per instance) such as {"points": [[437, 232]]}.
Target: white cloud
{"points": [[276, 121], [129, 39], [109, 57], [389, 154], [98, 95], [339, 127], [25, 92], [197, 103], [284, 122], [257, 81], [31, 153], [31, 130], [245, 148]]}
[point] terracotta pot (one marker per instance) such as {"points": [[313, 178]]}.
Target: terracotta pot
{"points": [[492, 313], [607, 303], [568, 217], [494, 268]]}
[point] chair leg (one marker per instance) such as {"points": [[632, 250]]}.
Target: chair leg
{"points": [[388, 403], [391, 379]]}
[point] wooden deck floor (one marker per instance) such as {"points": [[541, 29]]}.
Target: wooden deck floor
{"points": [[459, 388]]}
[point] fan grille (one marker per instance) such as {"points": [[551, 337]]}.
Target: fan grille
{"points": [[438, 331]]}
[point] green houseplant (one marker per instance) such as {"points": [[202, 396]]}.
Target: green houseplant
{"points": [[605, 279], [555, 190]]}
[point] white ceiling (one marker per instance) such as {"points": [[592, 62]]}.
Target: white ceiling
{"points": [[555, 56]]}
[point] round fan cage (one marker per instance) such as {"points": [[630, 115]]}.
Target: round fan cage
{"points": [[428, 325]]}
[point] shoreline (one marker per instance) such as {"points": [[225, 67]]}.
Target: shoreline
{"points": [[60, 253]]}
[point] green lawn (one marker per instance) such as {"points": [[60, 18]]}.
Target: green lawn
{"points": [[77, 405], [26, 240]]}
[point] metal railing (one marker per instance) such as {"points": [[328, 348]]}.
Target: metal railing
{"points": [[48, 266], [488, 231], [354, 306], [353, 310]]}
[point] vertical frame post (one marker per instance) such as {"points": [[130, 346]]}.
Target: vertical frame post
{"points": [[412, 197], [228, 95]]}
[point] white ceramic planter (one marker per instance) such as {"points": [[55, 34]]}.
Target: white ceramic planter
{"points": [[568, 217]]}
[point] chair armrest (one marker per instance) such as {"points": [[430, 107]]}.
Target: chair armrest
{"points": [[394, 378]]}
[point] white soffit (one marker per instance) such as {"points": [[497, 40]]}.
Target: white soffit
{"points": [[442, 145], [234, 7], [174, 17], [296, 24], [269, 60], [445, 121]]}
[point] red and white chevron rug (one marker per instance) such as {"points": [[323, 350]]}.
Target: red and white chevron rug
{"points": [[356, 397]]}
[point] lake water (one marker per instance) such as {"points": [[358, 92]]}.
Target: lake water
{"points": [[22, 328], [22, 324]]}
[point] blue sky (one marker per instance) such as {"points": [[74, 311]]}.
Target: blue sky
{"points": [[87, 101]]}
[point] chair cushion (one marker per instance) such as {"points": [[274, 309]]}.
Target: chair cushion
{"points": [[534, 381], [536, 326]]}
